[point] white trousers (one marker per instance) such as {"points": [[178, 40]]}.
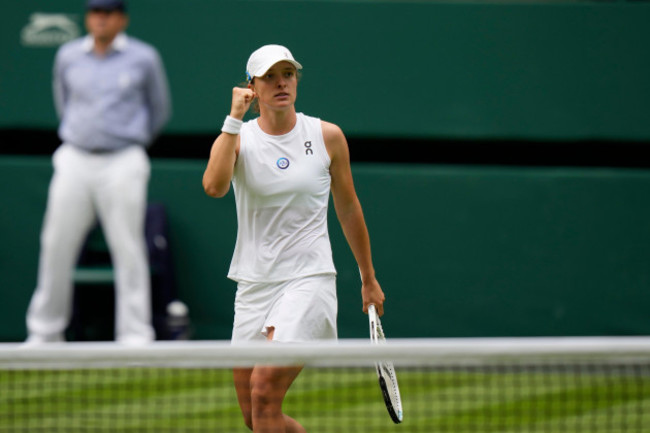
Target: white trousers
{"points": [[111, 187]]}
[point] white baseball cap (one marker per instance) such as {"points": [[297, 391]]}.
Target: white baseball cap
{"points": [[263, 58]]}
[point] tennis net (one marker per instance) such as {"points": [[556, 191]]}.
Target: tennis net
{"points": [[595, 385]]}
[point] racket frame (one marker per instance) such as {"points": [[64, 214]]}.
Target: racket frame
{"points": [[385, 369]]}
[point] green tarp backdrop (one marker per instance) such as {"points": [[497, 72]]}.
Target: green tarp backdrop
{"points": [[522, 69], [460, 250]]}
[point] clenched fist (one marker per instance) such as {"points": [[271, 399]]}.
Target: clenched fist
{"points": [[241, 102]]}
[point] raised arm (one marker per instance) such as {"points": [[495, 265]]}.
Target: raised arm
{"points": [[225, 149], [350, 215]]}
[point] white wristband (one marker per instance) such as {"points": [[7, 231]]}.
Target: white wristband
{"points": [[232, 125]]}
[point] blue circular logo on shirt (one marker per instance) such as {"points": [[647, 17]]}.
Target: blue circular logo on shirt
{"points": [[283, 163]]}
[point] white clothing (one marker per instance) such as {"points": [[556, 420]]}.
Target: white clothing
{"points": [[113, 187], [282, 187], [300, 310]]}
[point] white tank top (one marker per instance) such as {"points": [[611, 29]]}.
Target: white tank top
{"points": [[282, 186]]}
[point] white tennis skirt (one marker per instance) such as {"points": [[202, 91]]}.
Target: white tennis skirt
{"points": [[303, 309]]}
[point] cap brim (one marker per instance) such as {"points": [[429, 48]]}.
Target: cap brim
{"points": [[263, 69], [105, 8], [105, 5]]}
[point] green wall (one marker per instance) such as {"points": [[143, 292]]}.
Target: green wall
{"points": [[477, 69], [460, 251], [478, 251]]}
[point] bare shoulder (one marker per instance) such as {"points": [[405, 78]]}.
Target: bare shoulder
{"points": [[331, 131], [334, 138]]}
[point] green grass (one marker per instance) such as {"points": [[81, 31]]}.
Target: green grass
{"points": [[197, 400]]}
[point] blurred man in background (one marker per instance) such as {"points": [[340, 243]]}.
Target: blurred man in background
{"points": [[112, 98]]}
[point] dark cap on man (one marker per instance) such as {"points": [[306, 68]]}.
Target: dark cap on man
{"points": [[106, 5]]}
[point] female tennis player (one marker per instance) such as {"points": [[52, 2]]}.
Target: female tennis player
{"points": [[282, 166]]}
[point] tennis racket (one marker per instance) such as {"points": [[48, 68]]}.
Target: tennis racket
{"points": [[385, 370]]}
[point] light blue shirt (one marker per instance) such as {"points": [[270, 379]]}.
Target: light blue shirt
{"points": [[113, 101]]}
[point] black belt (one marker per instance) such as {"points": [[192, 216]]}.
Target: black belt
{"points": [[98, 151]]}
